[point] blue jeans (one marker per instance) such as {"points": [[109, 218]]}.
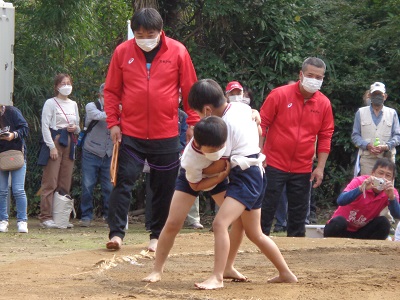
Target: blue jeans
{"points": [[94, 168], [18, 190], [298, 187]]}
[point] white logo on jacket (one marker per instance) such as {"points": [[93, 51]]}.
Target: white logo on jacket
{"points": [[131, 60], [289, 105]]}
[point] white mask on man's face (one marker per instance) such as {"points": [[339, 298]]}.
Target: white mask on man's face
{"points": [[148, 44], [235, 98], [311, 85]]}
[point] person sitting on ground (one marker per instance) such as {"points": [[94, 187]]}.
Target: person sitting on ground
{"points": [[360, 204]]}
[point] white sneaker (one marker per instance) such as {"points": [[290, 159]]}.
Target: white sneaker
{"points": [[22, 227], [70, 225], [3, 226], [49, 224]]}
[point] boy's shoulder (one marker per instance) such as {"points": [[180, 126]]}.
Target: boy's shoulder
{"points": [[234, 109]]}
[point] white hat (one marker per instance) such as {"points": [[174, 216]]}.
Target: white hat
{"points": [[377, 86]]}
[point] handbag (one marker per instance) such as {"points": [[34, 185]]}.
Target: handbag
{"points": [[11, 160]]}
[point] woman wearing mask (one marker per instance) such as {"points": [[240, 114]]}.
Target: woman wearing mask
{"points": [[60, 124], [14, 131]]}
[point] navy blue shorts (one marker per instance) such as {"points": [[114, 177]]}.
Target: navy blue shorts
{"points": [[247, 186], [181, 184]]}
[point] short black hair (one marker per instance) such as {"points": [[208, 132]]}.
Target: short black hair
{"points": [[210, 131], [206, 91], [148, 18], [385, 163]]}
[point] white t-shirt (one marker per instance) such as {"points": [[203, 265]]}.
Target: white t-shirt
{"points": [[243, 138], [194, 161]]}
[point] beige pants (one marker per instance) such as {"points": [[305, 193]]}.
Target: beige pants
{"points": [[57, 175], [366, 165]]}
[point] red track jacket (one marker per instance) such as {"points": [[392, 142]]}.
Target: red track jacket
{"points": [[149, 98], [291, 127]]}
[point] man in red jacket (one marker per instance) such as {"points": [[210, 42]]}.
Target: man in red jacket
{"points": [[293, 117], [144, 76]]}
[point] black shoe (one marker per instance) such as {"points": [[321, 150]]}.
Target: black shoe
{"points": [[278, 228]]}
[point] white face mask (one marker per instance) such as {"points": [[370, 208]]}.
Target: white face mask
{"points": [[311, 85], [65, 90], [147, 44], [214, 156], [235, 98], [246, 100]]}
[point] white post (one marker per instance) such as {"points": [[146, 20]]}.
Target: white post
{"points": [[130, 32], [7, 38]]}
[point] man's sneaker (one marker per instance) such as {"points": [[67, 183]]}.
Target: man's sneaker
{"points": [[196, 226], [70, 225], [49, 224], [3, 226], [22, 227], [84, 223]]}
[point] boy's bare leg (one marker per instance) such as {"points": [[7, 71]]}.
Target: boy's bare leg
{"points": [[235, 237], [180, 205], [228, 212], [251, 223]]}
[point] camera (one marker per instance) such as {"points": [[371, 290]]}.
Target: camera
{"points": [[378, 183]]}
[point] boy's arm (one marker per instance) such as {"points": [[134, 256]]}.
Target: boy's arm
{"points": [[215, 167], [207, 183]]}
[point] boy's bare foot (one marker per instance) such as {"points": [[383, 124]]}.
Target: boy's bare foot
{"points": [[284, 278], [114, 244], [153, 245], [153, 277], [211, 283], [235, 275]]}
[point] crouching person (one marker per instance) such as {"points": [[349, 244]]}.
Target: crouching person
{"points": [[361, 202]]}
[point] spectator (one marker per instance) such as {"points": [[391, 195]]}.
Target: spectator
{"points": [[145, 75], [361, 202], [295, 115], [248, 96], [96, 159], [60, 124], [234, 92], [15, 124], [376, 130]]}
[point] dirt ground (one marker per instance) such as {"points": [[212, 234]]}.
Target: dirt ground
{"points": [[73, 264]]}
